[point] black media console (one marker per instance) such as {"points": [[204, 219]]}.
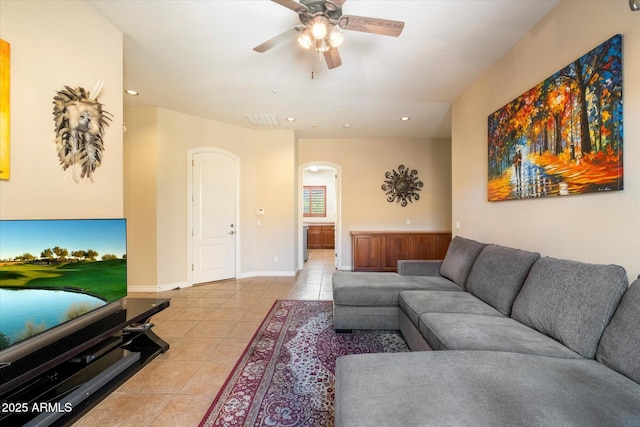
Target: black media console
{"points": [[78, 371]]}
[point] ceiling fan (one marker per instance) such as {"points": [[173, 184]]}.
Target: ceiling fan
{"points": [[320, 20]]}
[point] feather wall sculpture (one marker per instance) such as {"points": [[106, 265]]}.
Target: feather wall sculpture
{"points": [[79, 124]]}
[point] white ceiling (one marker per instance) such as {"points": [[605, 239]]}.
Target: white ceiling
{"points": [[196, 57]]}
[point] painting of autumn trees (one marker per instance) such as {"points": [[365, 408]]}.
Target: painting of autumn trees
{"points": [[563, 136]]}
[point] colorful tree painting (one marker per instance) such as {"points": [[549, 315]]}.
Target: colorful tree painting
{"points": [[563, 136]]}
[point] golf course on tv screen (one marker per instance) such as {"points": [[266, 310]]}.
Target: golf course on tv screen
{"points": [[52, 271]]}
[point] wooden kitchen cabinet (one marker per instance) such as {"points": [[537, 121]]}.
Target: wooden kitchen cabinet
{"points": [[321, 236], [381, 250]]}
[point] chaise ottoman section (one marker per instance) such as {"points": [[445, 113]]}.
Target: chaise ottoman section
{"points": [[381, 289], [363, 300], [479, 388]]}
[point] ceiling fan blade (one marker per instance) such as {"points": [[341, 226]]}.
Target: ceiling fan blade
{"points": [[332, 58], [385, 27], [274, 41], [293, 5], [333, 5]]}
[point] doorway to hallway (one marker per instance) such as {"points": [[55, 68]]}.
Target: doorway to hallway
{"points": [[319, 184]]}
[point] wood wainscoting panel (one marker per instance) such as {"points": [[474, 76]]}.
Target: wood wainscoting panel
{"points": [[381, 250]]}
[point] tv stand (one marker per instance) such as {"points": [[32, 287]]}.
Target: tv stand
{"points": [[66, 391]]}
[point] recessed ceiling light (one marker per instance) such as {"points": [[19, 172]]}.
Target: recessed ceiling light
{"points": [[347, 125], [132, 92], [405, 118], [291, 119]]}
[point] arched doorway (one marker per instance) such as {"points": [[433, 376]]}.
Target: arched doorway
{"points": [[326, 169]]}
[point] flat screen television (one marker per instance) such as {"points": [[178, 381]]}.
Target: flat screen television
{"points": [[56, 277]]}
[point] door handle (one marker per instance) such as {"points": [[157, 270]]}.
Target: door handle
{"points": [[232, 232]]}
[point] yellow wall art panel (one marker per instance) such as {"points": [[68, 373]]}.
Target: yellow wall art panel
{"points": [[5, 163]]}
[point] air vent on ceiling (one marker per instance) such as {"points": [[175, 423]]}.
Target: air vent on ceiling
{"points": [[263, 119]]}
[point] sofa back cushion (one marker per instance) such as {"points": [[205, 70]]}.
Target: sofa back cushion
{"points": [[459, 259], [498, 275], [570, 301], [619, 347]]}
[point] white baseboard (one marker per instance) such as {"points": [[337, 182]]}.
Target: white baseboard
{"points": [[181, 285], [171, 286], [266, 274], [158, 288]]}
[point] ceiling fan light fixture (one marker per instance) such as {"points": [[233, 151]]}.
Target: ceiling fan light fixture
{"points": [[322, 46], [319, 27], [335, 37], [305, 40]]}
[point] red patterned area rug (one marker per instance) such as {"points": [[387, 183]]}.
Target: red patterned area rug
{"points": [[286, 375]]}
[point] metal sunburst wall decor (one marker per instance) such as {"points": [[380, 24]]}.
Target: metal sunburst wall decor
{"points": [[402, 186]]}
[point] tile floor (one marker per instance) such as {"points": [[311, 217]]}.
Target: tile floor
{"points": [[207, 326]]}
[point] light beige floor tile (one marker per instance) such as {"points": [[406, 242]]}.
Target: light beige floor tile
{"points": [[193, 313], [211, 302], [222, 293], [277, 294], [191, 348], [126, 410], [240, 303], [258, 313], [229, 350], [227, 313], [195, 292], [162, 377], [212, 328], [209, 379], [180, 301], [183, 410], [244, 329], [174, 328]]}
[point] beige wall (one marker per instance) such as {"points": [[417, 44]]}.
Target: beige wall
{"points": [[276, 193], [603, 228], [161, 139], [54, 44], [140, 196], [363, 163]]}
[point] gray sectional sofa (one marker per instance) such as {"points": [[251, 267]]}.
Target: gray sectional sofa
{"points": [[520, 340]]}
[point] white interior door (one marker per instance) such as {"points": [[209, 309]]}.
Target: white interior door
{"points": [[214, 215]]}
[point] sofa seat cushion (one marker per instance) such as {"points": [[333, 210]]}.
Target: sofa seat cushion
{"points": [[498, 275], [416, 303], [454, 331], [459, 259], [364, 288], [619, 347], [478, 388], [570, 301]]}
